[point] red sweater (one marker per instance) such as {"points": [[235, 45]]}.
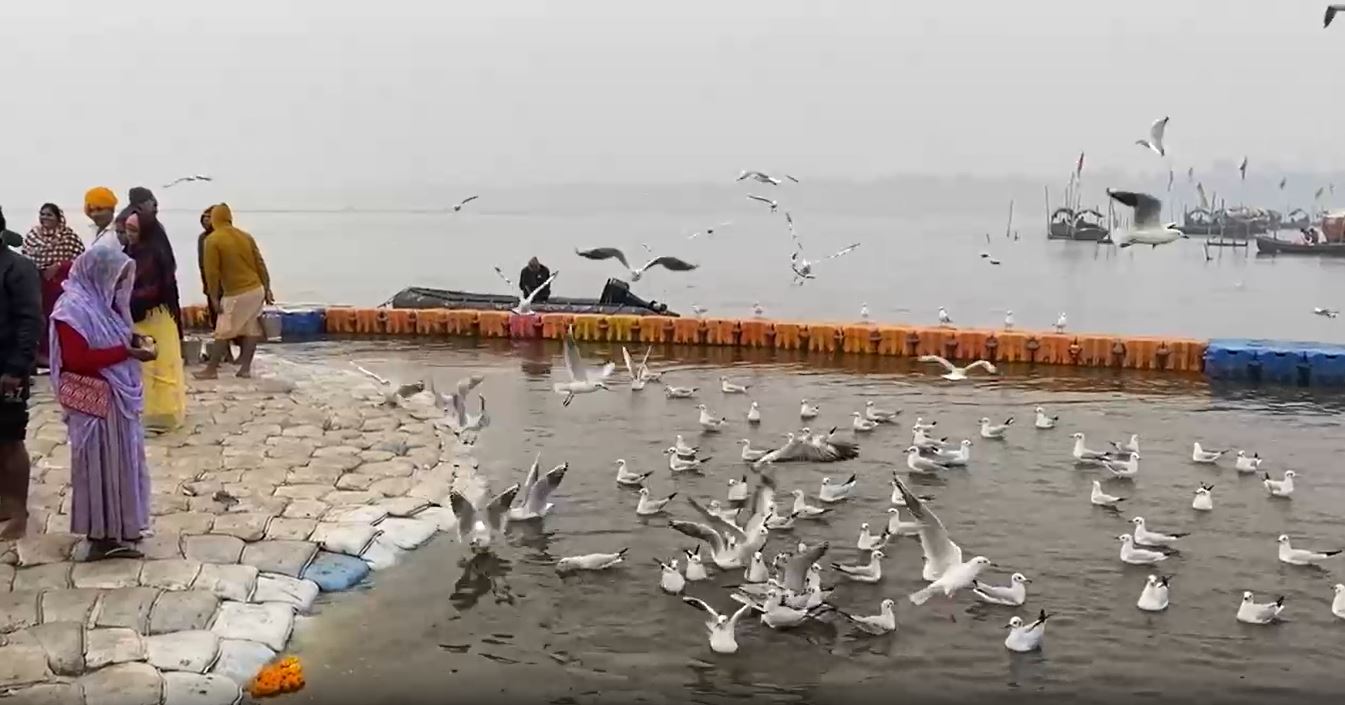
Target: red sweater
{"points": [[78, 357]]}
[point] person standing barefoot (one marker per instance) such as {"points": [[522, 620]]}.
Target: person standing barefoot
{"points": [[238, 281]]}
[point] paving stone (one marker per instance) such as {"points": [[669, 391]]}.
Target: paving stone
{"points": [[305, 431], [343, 463], [307, 508], [336, 451], [22, 661], [123, 684], [105, 647], [275, 506], [338, 498], [222, 477], [212, 548], [69, 605], [303, 491], [173, 574], [182, 611], [193, 651], [284, 557], [379, 424], [319, 475], [245, 459], [376, 456], [248, 527], [6, 577], [289, 448], [230, 582], [432, 491], [355, 481], [270, 623], [128, 607], [365, 514], [46, 548], [403, 506], [298, 593], [63, 643], [239, 660], [161, 504], [110, 574], [18, 610], [163, 545], [344, 537], [50, 576], [185, 523], [47, 694], [290, 529], [392, 486], [199, 689]]}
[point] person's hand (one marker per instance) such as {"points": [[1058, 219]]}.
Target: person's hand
{"points": [[143, 349], [270, 297], [9, 384]]}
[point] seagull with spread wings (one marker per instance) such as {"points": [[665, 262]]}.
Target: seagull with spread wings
{"points": [[669, 263], [1146, 228]]}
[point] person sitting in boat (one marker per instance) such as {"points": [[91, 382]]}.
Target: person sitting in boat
{"points": [[533, 276]]}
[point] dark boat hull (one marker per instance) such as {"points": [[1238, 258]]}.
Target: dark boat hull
{"points": [[1061, 231], [616, 299], [1271, 246]]}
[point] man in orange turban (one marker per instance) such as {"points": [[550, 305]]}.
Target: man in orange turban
{"points": [[100, 204]]}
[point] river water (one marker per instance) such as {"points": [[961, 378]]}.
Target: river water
{"points": [[438, 628], [905, 269]]}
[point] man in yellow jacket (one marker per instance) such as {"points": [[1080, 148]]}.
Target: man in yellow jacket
{"points": [[238, 284]]}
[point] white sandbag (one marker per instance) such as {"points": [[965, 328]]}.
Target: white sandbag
{"points": [[295, 592], [194, 651], [239, 661], [105, 647], [441, 517], [269, 623], [229, 582], [382, 554], [198, 689], [342, 537], [407, 534], [365, 514], [404, 506]]}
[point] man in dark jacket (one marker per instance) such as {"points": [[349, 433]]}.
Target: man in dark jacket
{"points": [[20, 325], [533, 276]]}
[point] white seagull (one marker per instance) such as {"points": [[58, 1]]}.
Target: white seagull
{"points": [[959, 456], [1144, 537], [695, 571], [1338, 602], [754, 413], [759, 176], [958, 577], [637, 373], [861, 424], [897, 527], [1043, 421], [773, 204], [728, 387], [458, 206], [1102, 499], [1203, 501], [941, 553], [803, 509], [989, 430], [1301, 556], [1245, 464], [1012, 595], [590, 561], [647, 507], [1123, 469], [1008, 320], [884, 622], [1155, 141], [867, 541], [723, 638], [679, 463], [863, 312], [1280, 488], [1138, 556], [833, 492], [956, 373], [672, 392], [524, 306], [873, 413], [462, 423], [1083, 455], [737, 489], [670, 579], [393, 392], [1025, 638], [681, 448], [1249, 612], [757, 310], [1146, 228], [536, 490], [1061, 322], [921, 464], [478, 527], [944, 318], [1207, 457], [627, 478], [803, 267], [808, 411], [751, 454], [1154, 596], [1130, 446], [710, 423], [871, 572], [187, 179], [583, 380], [671, 264]]}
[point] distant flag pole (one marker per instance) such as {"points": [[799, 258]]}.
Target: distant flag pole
{"points": [[1243, 168], [1190, 174], [1283, 181], [1078, 169], [1170, 178]]}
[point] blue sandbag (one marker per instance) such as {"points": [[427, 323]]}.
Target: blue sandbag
{"points": [[334, 572]]}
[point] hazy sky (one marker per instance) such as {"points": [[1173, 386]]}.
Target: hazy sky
{"points": [[311, 96]]}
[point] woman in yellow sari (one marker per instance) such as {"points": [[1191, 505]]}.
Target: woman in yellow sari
{"points": [[155, 310]]}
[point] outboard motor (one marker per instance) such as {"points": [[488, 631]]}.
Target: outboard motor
{"points": [[617, 293]]}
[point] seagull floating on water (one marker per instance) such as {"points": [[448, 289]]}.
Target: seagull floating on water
{"points": [[728, 387], [1138, 556], [1338, 602], [590, 561], [869, 542], [1145, 229], [679, 463], [1245, 464], [1012, 595], [627, 478], [1043, 421], [1249, 612], [996, 431], [695, 571], [870, 572], [1102, 499], [669, 263], [678, 392], [956, 373], [1086, 456], [833, 492], [1203, 501], [754, 414], [670, 580], [921, 464], [1123, 469], [808, 411], [1280, 488], [711, 424], [884, 622], [861, 424], [1144, 537], [958, 457], [874, 413], [722, 628], [1155, 141], [1026, 638], [1299, 556], [649, 507], [1207, 457], [1154, 596], [897, 527]]}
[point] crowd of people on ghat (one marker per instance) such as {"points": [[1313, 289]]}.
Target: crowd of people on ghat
{"points": [[103, 321]]}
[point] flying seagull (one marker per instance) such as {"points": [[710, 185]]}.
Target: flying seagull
{"points": [[1243, 168], [708, 232], [1155, 141], [464, 202], [1146, 229], [187, 179], [1331, 11], [524, 306], [669, 263]]}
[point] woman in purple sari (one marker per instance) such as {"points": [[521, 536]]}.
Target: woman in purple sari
{"points": [[95, 372]]}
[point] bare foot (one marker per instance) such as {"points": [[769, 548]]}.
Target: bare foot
{"points": [[245, 374], [206, 374], [16, 529]]}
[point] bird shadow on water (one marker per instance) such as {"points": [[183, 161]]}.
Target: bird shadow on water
{"points": [[481, 574]]}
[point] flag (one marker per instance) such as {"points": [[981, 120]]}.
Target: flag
{"points": [[1283, 181], [1243, 168], [1078, 169]]}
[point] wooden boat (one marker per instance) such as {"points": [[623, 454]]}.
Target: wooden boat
{"points": [[1200, 222], [616, 299], [1085, 225], [1266, 245]]}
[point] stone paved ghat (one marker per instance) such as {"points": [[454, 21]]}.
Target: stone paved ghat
{"points": [[275, 490]]}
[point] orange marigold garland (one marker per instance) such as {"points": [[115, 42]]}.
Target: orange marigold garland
{"points": [[285, 675]]}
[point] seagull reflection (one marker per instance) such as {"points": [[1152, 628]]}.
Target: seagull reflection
{"points": [[482, 573]]}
